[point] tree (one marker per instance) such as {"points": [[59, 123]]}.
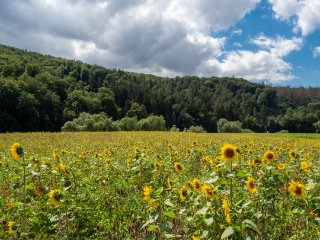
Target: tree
{"points": [[137, 110]]}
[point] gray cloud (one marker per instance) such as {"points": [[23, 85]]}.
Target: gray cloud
{"points": [[167, 37]]}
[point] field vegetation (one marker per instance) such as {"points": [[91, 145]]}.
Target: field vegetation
{"points": [[159, 185]]}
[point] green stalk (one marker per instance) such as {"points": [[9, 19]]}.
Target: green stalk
{"points": [[231, 185]]}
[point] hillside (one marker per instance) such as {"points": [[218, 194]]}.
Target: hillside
{"points": [[40, 93]]}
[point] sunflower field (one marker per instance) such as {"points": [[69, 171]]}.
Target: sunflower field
{"points": [[159, 185]]}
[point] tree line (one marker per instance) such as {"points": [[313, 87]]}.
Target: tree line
{"points": [[41, 93]]}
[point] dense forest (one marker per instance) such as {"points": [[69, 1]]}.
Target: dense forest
{"points": [[41, 93]]}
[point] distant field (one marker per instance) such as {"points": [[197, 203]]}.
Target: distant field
{"points": [[159, 185]]}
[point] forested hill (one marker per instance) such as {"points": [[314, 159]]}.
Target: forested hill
{"points": [[40, 93]]}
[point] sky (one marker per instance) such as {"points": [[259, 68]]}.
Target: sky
{"points": [[272, 41]]}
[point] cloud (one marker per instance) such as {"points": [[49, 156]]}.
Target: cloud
{"points": [[165, 37], [264, 64], [316, 52], [305, 12]]}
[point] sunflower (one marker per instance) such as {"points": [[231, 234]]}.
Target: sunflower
{"points": [[292, 154], [154, 203], [229, 152], [208, 191], [55, 197], [296, 189], [251, 185], [17, 151], [190, 184], [10, 227], [281, 166], [169, 183], [54, 155], [178, 167], [157, 165], [147, 193], [268, 156], [64, 170], [196, 184], [226, 210], [195, 238], [305, 167], [250, 151], [183, 193], [256, 161]]}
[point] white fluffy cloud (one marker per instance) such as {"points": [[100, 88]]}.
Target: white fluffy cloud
{"points": [[264, 64], [316, 52], [166, 37], [306, 12]]}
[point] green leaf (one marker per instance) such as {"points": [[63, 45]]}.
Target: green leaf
{"points": [[241, 174], [182, 211], [169, 236], [203, 210], [165, 226], [170, 214], [251, 225], [54, 218], [152, 227], [168, 203], [209, 221], [152, 219], [149, 238], [212, 180], [310, 185], [227, 232], [205, 234]]}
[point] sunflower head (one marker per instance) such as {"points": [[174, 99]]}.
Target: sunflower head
{"points": [[178, 167], [256, 161], [147, 193], [229, 153], [17, 151], [55, 197], [169, 183], [226, 210], [292, 154], [157, 165], [196, 184], [296, 189], [54, 155], [10, 225], [281, 166], [305, 167], [208, 191], [251, 185], [183, 193], [268, 156]]}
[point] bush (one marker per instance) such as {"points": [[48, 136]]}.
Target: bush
{"points": [[225, 126], [174, 129], [152, 123], [197, 129], [246, 130], [127, 124], [90, 122]]}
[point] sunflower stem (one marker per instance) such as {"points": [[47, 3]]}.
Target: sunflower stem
{"points": [[24, 192], [231, 184]]}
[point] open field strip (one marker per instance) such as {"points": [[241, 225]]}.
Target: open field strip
{"points": [[159, 185]]}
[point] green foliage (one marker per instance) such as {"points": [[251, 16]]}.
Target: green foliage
{"points": [[152, 123], [58, 90], [137, 110], [174, 129], [225, 126], [90, 122], [197, 129], [317, 126]]}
